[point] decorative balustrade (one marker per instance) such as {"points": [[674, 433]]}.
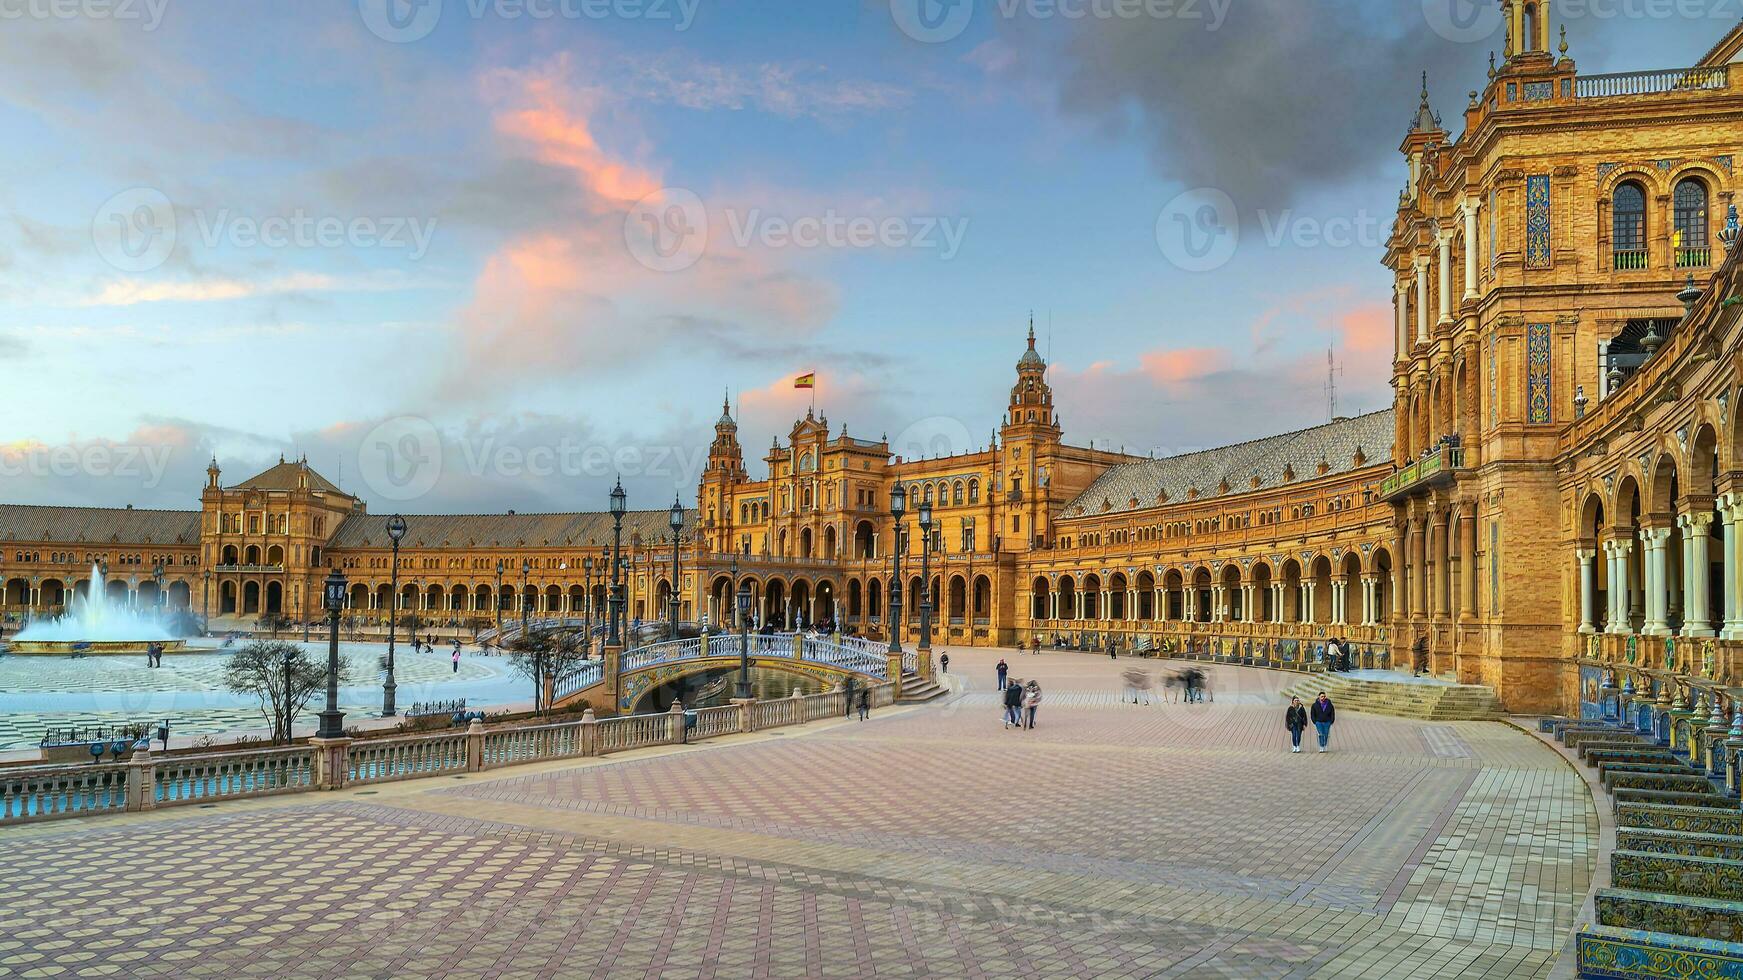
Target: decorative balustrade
{"points": [[388, 760], [147, 781], [1432, 468], [634, 732], [1653, 82], [62, 791], [581, 678], [178, 779], [669, 651], [711, 722], [1629, 259]]}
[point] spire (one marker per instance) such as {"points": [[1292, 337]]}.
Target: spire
{"points": [[1031, 357], [725, 411]]}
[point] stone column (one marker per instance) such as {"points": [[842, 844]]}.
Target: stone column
{"points": [[1472, 206], [1189, 603], [1401, 297], [1419, 568], [1422, 299], [1443, 239], [1468, 563], [1308, 589], [1442, 573], [1588, 589], [1697, 619], [1249, 610], [1656, 584], [1731, 510]]}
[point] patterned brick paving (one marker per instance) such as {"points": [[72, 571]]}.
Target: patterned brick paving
{"points": [[1114, 840]]}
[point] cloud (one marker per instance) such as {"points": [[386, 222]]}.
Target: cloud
{"points": [[786, 90], [1283, 97], [1180, 400], [129, 292]]}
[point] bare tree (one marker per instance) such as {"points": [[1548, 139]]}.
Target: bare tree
{"points": [[548, 657], [262, 669]]}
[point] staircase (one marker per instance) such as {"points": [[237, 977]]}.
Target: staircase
{"points": [[1675, 904], [1425, 702], [915, 690]]}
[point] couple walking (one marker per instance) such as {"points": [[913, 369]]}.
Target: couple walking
{"points": [[1020, 703], [1322, 714]]}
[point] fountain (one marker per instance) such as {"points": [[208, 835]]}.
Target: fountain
{"points": [[95, 625]]}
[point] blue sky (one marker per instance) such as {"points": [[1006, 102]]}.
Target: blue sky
{"points": [[244, 229]]}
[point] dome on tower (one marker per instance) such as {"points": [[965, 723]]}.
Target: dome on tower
{"points": [[1030, 359]]}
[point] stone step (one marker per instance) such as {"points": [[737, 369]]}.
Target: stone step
{"points": [[1675, 798], [1726, 846], [1676, 915], [915, 690], [1688, 819], [1427, 702], [1676, 874], [1633, 954]]}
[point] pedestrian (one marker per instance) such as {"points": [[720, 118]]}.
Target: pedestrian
{"points": [[944, 663], [1014, 703], [1419, 656], [1035, 646], [864, 703], [456, 659], [1295, 719], [1331, 655], [847, 687], [1113, 649], [162, 735], [1323, 714], [1031, 701], [1004, 670]]}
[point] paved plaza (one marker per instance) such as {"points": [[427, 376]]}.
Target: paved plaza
{"points": [[1115, 840]]}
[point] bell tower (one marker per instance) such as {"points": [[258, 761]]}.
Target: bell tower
{"points": [[1030, 413], [1527, 28], [725, 469]]}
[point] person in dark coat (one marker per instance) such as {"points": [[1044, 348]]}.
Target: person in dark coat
{"points": [[1295, 719], [1323, 714], [864, 703], [1004, 670], [1014, 703], [1419, 657]]}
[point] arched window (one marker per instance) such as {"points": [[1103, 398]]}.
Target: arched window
{"points": [[1529, 43], [1690, 201], [974, 491], [1629, 226]]}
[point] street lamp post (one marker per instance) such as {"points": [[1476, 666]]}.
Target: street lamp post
{"points": [[206, 603], [526, 572], [619, 503], [925, 577], [744, 642], [290, 659], [677, 522], [587, 606], [898, 508], [332, 719], [396, 532], [499, 568], [732, 586]]}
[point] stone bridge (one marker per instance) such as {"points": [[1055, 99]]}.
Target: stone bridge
{"points": [[622, 679]]}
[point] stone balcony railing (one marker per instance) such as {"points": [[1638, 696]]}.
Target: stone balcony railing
{"points": [[1713, 79], [147, 781], [1436, 468]]}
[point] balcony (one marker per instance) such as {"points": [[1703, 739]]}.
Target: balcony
{"points": [[1716, 79], [1630, 260], [1694, 258], [1436, 469], [249, 569]]}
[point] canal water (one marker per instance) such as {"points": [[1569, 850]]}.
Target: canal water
{"points": [[719, 687]]}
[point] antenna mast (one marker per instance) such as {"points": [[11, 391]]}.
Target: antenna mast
{"points": [[1331, 386]]}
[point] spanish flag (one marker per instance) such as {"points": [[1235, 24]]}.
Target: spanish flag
{"points": [[805, 381]]}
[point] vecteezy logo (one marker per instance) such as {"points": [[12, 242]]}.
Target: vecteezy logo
{"points": [[932, 21], [667, 231], [400, 21], [932, 438], [1462, 21], [135, 231], [401, 459], [1199, 229]]}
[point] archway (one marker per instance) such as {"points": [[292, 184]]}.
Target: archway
{"points": [[1040, 595]]}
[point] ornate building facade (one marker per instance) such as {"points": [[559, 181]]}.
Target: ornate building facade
{"points": [[1557, 490]]}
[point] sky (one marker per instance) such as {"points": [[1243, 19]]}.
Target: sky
{"points": [[479, 255]]}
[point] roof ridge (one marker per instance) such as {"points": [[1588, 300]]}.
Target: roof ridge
{"points": [[1275, 435], [534, 513], [125, 509]]}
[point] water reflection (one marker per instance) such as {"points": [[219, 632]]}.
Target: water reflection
{"points": [[719, 687]]}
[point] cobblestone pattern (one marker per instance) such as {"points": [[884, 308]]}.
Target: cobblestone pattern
{"points": [[1111, 841]]}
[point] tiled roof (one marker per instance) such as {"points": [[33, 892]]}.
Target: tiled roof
{"points": [[92, 525], [1292, 457], [507, 530], [284, 476]]}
